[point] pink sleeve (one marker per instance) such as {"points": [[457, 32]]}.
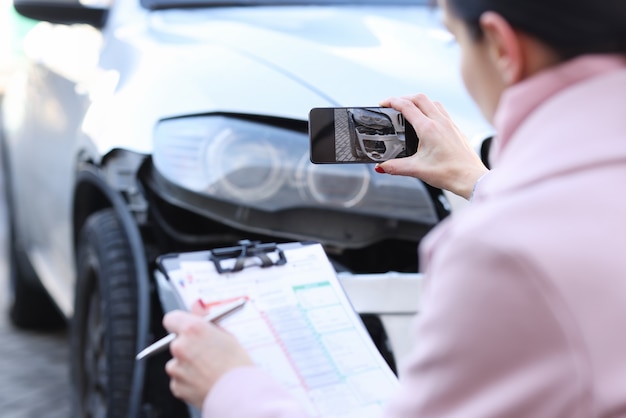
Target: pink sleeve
{"points": [[251, 393], [494, 340]]}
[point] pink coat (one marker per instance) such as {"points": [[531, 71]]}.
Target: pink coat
{"points": [[524, 312]]}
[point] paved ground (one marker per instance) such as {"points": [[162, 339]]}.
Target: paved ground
{"points": [[343, 145], [34, 377]]}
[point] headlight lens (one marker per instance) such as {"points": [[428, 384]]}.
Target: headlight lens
{"points": [[268, 168], [242, 166], [376, 121]]}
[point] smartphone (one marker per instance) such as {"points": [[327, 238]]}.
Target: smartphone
{"points": [[340, 135]]}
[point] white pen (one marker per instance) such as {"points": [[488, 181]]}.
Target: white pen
{"points": [[216, 313]]}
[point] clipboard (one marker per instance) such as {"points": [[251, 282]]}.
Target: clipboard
{"points": [[298, 323]]}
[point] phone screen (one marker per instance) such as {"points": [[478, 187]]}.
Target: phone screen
{"points": [[359, 135]]}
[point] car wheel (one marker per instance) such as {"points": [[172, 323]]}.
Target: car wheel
{"points": [[104, 327], [30, 306]]}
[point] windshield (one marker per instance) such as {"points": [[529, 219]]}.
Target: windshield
{"points": [[164, 4]]}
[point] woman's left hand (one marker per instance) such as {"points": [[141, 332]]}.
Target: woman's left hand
{"points": [[444, 157]]}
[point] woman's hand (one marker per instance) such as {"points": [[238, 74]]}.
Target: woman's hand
{"points": [[444, 157], [202, 353]]}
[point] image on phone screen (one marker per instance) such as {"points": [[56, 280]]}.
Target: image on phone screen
{"points": [[359, 135]]}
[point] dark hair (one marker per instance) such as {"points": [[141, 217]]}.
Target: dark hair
{"points": [[570, 27]]}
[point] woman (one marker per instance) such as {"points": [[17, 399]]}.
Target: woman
{"points": [[524, 309]]}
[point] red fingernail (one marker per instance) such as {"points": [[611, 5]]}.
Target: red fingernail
{"points": [[379, 169]]}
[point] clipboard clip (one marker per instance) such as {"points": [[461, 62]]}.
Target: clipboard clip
{"points": [[245, 250]]}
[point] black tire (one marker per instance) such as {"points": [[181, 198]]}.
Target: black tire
{"points": [[30, 306], [103, 331]]}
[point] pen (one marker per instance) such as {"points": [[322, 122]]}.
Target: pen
{"points": [[217, 313]]}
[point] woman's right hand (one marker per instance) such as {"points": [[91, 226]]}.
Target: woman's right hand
{"points": [[444, 157], [201, 354]]}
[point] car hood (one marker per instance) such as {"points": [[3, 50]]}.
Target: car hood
{"points": [[282, 61]]}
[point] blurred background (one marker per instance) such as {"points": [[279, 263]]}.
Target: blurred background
{"points": [[34, 379], [13, 28]]}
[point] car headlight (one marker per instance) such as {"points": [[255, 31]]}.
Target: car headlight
{"points": [[268, 168], [373, 120]]}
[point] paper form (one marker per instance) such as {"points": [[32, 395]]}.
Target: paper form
{"points": [[301, 328]]}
